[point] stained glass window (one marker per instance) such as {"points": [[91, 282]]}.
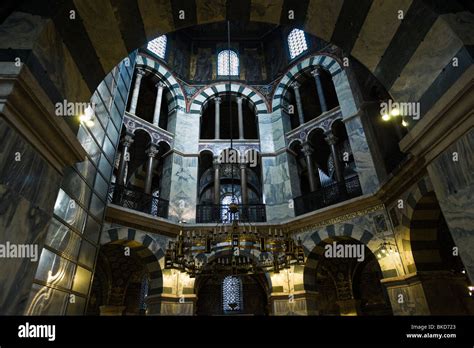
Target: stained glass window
{"points": [[158, 46], [297, 43], [231, 294], [223, 59]]}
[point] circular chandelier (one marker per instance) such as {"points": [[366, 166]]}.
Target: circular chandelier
{"points": [[233, 247]]}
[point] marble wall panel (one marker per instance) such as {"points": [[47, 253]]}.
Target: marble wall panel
{"points": [[277, 187], [453, 183], [28, 189], [365, 166], [179, 186]]}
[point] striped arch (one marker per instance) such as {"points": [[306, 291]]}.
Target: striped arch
{"points": [[150, 250], [412, 57], [416, 223], [203, 96], [326, 62], [314, 248], [177, 100]]}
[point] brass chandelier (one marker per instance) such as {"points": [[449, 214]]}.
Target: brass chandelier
{"points": [[233, 247]]}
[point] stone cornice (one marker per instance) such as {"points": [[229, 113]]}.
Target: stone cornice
{"points": [[28, 109], [146, 222]]}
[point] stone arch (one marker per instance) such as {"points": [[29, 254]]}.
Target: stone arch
{"points": [[90, 57], [205, 94], [150, 250], [327, 234], [402, 217], [329, 63], [167, 77]]}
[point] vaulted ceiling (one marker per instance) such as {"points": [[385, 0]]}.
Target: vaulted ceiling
{"points": [[412, 57]]}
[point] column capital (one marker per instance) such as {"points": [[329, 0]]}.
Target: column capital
{"points": [[316, 71], [160, 84], [331, 139], [127, 140], [218, 100], [295, 85], [243, 165], [240, 100], [152, 150], [307, 149], [140, 72]]}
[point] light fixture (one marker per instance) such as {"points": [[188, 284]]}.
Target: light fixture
{"points": [[386, 117], [395, 112], [236, 248], [404, 123], [386, 248], [87, 117]]}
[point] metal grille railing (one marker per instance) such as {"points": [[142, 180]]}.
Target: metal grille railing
{"points": [[328, 195], [217, 213], [136, 200]]}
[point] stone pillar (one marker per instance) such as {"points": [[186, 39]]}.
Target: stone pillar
{"points": [[136, 91], [299, 105], [159, 96], [126, 141], [241, 117], [314, 181], [218, 118], [217, 181], [243, 183], [151, 152], [332, 140], [319, 88]]}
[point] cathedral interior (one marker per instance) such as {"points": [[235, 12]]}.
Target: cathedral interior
{"points": [[237, 158]]}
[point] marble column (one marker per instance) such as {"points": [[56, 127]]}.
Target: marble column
{"points": [[159, 96], [314, 181], [126, 141], [332, 140], [151, 152], [217, 186], [319, 88], [241, 117], [243, 183], [296, 87], [218, 118], [136, 91]]}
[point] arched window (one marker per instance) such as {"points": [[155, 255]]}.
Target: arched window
{"points": [[158, 46], [231, 294], [223, 60], [297, 43]]}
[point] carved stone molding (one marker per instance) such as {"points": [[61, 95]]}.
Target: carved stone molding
{"points": [[28, 109]]}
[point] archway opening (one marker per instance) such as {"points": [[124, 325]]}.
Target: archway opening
{"points": [[346, 275], [122, 280]]}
